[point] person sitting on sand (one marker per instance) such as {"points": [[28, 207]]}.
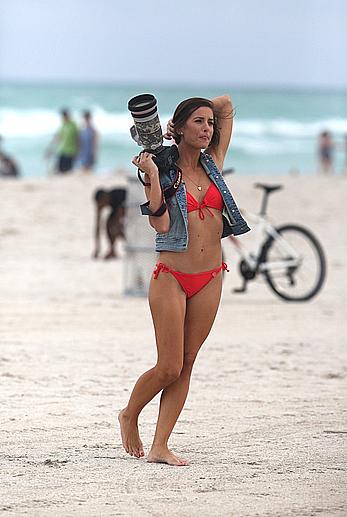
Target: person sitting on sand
{"points": [[8, 167], [115, 200], [186, 285]]}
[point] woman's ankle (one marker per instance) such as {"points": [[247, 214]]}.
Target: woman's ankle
{"points": [[125, 413], [159, 445]]}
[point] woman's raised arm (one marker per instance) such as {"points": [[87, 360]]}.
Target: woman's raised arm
{"points": [[224, 110]]}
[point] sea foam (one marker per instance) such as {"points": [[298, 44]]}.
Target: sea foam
{"points": [[37, 122]]}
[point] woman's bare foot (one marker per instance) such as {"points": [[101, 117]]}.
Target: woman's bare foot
{"points": [[130, 435], [161, 454]]}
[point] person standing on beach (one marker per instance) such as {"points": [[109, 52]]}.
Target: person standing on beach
{"points": [[325, 152], [186, 285], [114, 200], [88, 143], [66, 140]]}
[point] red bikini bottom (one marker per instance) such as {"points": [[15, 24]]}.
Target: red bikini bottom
{"points": [[191, 283]]}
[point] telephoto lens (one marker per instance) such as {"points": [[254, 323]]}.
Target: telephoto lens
{"points": [[147, 129]]}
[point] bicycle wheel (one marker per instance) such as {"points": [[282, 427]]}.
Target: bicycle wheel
{"points": [[294, 264]]}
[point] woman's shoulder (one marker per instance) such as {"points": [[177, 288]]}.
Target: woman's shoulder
{"points": [[208, 160]]}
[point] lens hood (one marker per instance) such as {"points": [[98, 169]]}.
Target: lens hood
{"points": [[142, 104]]}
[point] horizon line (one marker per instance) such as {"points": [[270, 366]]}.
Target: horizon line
{"points": [[260, 87]]}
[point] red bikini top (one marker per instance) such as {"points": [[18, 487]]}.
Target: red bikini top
{"points": [[212, 199]]}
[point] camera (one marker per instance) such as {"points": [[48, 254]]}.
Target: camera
{"points": [[147, 132]]}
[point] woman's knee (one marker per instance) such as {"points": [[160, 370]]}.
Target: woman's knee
{"points": [[168, 373]]}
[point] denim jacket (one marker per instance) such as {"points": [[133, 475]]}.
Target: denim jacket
{"points": [[176, 239]]}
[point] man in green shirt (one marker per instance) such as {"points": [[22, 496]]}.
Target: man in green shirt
{"points": [[67, 141]]}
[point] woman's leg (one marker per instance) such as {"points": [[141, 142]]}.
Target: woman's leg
{"points": [[168, 304], [200, 314]]}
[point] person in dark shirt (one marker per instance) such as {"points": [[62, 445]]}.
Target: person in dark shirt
{"points": [[8, 167], [114, 200], [325, 152]]}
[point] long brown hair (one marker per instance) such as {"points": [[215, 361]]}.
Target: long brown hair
{"points": [[186, 108]]}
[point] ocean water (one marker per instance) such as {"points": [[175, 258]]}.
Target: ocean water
{"points": [[275, 131]]}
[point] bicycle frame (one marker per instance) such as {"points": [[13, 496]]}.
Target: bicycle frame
{"points": [[263, 229]]}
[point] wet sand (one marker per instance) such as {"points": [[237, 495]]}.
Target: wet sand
{"points": [[264, 426]]}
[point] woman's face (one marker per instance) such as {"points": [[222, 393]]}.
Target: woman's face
{"points": [[198, 129]]}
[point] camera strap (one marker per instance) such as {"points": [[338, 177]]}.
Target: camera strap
{"points": [[144, 183], [171, 189]]}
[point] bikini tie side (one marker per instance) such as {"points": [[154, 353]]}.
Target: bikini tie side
{"points": [[160, 267], [225, 267]]}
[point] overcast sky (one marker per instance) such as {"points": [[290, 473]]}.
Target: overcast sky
{"points": [[239, 42]]}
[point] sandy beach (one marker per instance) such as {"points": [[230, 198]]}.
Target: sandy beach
{"points": [[265, 424]]}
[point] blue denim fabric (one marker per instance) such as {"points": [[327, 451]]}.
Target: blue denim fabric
{"points": [[176, 239]]}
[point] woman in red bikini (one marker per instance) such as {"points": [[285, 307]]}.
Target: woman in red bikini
{"points": [[186, 286]]}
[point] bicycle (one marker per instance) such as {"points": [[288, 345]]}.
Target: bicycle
{"points": [[289, 256]]}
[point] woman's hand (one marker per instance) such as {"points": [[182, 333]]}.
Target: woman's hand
{"points": [[146, 164], [170, 130]]}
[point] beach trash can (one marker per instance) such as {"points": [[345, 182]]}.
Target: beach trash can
{"points": [[140, 257]]}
